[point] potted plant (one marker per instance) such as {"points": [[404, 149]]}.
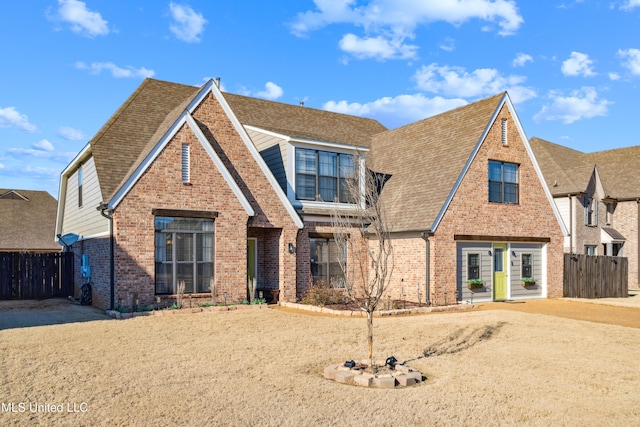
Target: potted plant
{"points": [[475, 284], [528, 281]]}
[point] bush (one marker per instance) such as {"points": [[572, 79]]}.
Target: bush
{"points": [[321, 293]]}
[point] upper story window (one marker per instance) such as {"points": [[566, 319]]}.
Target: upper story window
{"points": [[590, 211], [80, 186], [324, 175], [503, 182]]}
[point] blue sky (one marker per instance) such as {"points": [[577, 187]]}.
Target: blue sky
{"points": [[572, 67]]}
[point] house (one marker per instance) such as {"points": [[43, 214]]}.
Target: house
{"points": [[190, 186], [468, 202], [598, 197], [27, 221]]}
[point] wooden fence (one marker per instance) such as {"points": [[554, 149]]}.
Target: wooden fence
{"points": [[36, 275], [588, 276]]}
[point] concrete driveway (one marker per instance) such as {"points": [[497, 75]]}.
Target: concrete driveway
{"points": [[21, 314]]}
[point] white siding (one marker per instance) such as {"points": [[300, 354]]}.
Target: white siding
{"points": [[86, 220], [486, 271], [564, 207], [515, 256]]}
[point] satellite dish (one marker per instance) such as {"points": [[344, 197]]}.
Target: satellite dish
{"points": [[68, 239]]}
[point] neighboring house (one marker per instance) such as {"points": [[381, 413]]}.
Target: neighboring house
{"points": [[188, 184], [27, 221], [598, 196]]}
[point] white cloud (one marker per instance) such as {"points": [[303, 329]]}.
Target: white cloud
{"points": [[9, 117], [578, 64], [81, 19], [580, 104], [399, 110], [631, 59], [457, 82], [272, 91], [71, 134], [630, 4], [448, 44], [43, 145], [521, 60], [116, 71], [394, 21], [614, 76], [187, 24], [377, 47]]}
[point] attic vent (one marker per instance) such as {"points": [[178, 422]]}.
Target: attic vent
{"points": [[186, 163], [505, 141]]}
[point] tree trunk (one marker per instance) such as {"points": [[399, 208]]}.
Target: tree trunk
{"points": [[370, 335]]}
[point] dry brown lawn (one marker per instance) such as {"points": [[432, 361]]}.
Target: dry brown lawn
{"points": [[264, 367]]}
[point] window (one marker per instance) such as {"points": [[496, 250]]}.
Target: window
{"points": [[527, 263], [323, 175], [473, 266], [590, 211], [503, 182], [326, 255], [610, 209], [590, 249], [80, 186], [183, 251], [186, 163]]}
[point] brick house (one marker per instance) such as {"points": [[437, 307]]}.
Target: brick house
{"points": [[191, 185], [598, 197]]}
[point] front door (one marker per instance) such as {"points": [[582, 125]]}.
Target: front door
{"points": [[499, 272]]}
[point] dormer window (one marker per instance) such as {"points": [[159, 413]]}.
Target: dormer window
{"points": [[323, 175]]}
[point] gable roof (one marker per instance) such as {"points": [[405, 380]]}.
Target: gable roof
{"points": [[568, 171], [27, 221], [119, 143], [426, 159], [303, 122]]}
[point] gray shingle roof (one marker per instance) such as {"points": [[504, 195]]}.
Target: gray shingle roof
{"points": [[129, 135], [304, 122], [27, 221], [569, 171], [425, 160]]}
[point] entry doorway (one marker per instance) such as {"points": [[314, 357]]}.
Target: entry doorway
{"points": [[500, 289], [252, 259]]}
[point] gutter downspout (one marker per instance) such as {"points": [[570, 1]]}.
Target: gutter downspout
{"points": [[103, 207], [425, 235], [571, 213]]}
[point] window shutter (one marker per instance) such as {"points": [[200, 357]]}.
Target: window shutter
{"points": [[186, 172], [586, 210]]}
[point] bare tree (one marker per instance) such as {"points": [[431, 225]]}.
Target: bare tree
{"points": [[363, 231]]}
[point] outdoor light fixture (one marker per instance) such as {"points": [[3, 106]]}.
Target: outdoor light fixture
{"points": [[292, 249]]}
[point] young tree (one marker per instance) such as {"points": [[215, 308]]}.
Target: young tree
{"points": [[362, 229]]}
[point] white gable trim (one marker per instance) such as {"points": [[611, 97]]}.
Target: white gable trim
{"points": [[505, 100], [254, 152], [333, 145], [185, 118], [218, 162]]}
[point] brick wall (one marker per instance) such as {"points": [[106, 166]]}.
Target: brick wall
{"points": [[161, 187], [98, 250], [470, 213], [625, 221]]}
